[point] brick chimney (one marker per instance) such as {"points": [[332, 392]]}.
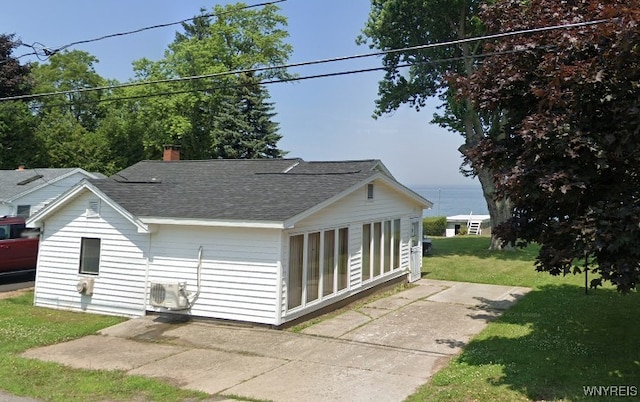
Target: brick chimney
{"points": [[171, 153]]}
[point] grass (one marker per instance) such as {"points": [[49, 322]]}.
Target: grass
{"points": [[23, 326], [551, 344]]}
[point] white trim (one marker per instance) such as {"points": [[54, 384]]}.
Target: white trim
{"points": [[426, 204], [37, 219], [155, 220]]}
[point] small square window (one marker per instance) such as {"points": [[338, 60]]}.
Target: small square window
{"points": [[370, 191], [23, 211], [90, 256]]}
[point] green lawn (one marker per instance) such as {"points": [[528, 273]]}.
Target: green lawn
{"points": [[551, 344], [23, 326]]}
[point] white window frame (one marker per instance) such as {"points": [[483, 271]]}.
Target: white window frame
{"points": [[85, 259], [394, 265], [305, 266]]}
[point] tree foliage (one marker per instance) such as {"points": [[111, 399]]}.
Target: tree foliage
{"points": [[108, 130], [243, 126], [14, 77], [236, 39], [18, 145], [569, 153], [401, 24]]}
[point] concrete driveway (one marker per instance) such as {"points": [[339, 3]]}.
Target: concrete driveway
{"points": [[383, 351]]}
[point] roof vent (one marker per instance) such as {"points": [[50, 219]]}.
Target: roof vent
{"points": [[30, 179]]}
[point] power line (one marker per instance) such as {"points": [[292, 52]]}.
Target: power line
{"points": [[43, 53], [284, 80], [321, 61]]}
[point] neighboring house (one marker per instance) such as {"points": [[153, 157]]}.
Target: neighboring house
{"points": [[264, 241], [23, 192], [472, 224]]}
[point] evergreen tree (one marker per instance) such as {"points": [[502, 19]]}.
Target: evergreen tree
{"points": [[243, 128]]}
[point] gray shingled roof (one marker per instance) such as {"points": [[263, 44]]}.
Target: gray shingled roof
{"points": [[259, 189], [15, 182]]}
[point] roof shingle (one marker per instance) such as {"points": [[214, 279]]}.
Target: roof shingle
{"points": [[224, 189]]}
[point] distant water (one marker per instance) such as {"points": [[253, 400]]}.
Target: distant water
{"points": [[453, 200]]}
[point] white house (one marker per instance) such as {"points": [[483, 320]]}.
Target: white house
{"points": [[23, 192], [263, 241]]}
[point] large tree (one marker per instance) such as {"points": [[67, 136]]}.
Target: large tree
{"points": [[237, 38], [243, 126], [67, 123], [18, 145], [569, 153], [400, 24]]}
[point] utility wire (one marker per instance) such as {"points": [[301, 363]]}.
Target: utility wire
{"points": [[283, 80], [43, 53], [321, 61]]}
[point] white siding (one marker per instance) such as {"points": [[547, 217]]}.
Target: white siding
{"points": [[38, 199], [119, 288], [6, 209], [239, 269], [353, 211]]}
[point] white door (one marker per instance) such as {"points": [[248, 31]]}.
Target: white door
{"points": [[415, 261]]}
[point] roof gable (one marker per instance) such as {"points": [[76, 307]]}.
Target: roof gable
{"points": [[17, 183], [258, 190]]}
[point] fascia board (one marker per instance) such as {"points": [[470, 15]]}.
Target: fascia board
{"points": [[151, 220], [75, 191], [290, 223]]}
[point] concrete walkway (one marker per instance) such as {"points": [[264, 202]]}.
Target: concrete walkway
{"points": [[383, 351]]}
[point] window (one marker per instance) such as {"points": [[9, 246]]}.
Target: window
{"points": [[23, 211], [370, 191], [318, 265], [375, 252], [90, 256], [329, 262], [313, 266], [396, 244], [296, 255], [366, 251], [343, 258], [381, 244], [387, 247]]}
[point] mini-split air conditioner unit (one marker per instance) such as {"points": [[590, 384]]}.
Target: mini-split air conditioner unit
{"points": [[172, 296], [85, 286]]}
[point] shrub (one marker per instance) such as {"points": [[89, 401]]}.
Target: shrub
{"points": [[434, 226]]}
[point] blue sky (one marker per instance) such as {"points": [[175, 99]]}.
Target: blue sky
{"points": [[320, 119]]}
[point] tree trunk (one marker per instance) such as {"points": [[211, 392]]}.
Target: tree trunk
{"points": [[499, 210]]}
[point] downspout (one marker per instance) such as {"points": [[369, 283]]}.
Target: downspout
{"points": [[279, 278], [199, 279], [146, 274]]}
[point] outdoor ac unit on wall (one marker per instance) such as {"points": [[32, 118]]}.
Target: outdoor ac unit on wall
{"points": [[172, 296], [85, 286]]}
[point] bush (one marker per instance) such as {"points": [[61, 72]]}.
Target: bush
{"points": [[434, 226]]}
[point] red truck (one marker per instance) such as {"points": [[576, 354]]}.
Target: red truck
{"points": [[18, 245]]}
